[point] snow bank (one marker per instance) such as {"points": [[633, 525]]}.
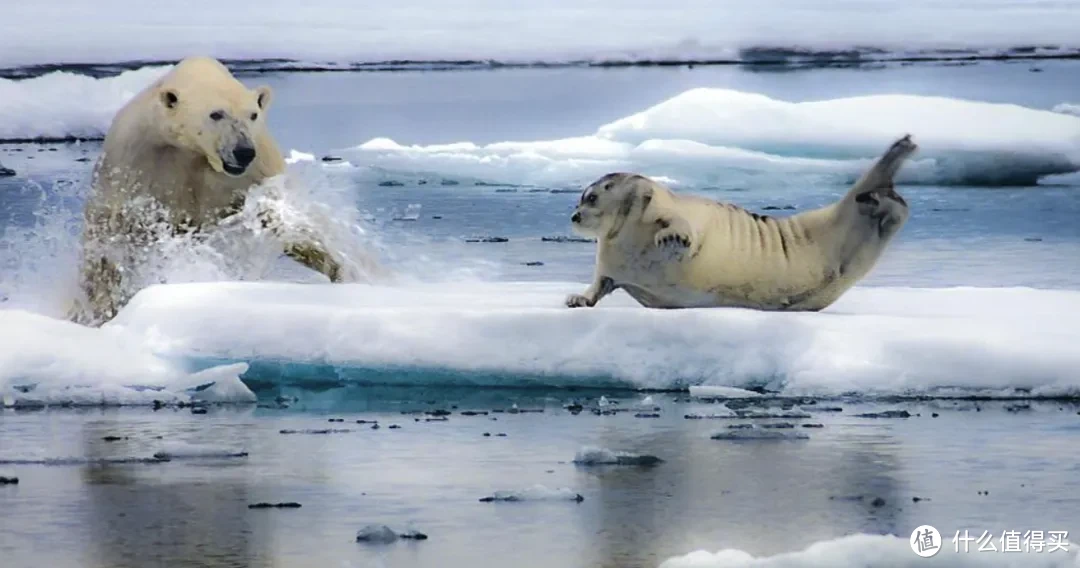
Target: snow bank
{"points": [[336, 31], [865, 551], [692, 135], [873, 341], [45, 361], [67, 105]]}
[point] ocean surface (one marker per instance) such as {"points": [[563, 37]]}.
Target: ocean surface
{"points": [[450, 178]]}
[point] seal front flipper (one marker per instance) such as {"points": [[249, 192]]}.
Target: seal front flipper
{"points": [[600, 288], [675, 235]]}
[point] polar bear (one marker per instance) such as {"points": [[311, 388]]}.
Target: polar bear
{"points": [[677, 251], [181, 155]]}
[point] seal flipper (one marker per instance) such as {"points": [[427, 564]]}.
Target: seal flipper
{"points": [[879, 178]]}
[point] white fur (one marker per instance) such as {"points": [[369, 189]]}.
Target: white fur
{"points": [[172, 163], [678, 251]]}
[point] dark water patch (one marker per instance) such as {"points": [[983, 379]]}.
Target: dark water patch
{"points": [[765, 58]]}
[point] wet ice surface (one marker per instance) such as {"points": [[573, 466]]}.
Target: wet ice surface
{"points": [[977, 465]]}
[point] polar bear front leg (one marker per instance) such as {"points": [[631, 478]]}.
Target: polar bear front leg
{"points": [[601, 286], [317, 258]]}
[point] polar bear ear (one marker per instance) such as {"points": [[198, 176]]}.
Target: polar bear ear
{"points": [[264, 95], [169, 98]]}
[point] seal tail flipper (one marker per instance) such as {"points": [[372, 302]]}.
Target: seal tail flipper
{"points": [[880, 176]]}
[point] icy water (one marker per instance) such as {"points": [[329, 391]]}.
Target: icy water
{"points": [[764, 497], [954, 465]]}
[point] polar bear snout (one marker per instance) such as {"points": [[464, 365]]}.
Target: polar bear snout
{"points": [[243, 155], [236, 160]]}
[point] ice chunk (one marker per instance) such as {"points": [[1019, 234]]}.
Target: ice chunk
{"points": [[46, 361], [43, 107], [865, 550], [874, 341], [691, 135], [719, 392], [591, 455], [183, 450], [1067, 108], [755, 433], [382, 534], [74, 460], [535, 493]]}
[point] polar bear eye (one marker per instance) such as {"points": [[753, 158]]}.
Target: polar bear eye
{"points": [[217, 115], [254, 116]]}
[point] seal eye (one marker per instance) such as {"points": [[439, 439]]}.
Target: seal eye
{"points": [[254, 116], [591, 199], [217, 115]]}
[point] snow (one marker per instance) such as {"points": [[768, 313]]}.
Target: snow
{"points": [[875, 340], [535, 493], [323, 31], [691, 135], [866, 550], [46, 361], [62, 104]]}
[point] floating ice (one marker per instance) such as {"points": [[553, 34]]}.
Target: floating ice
{"points": [[1068, 108], [45, 361], [692, 135], [865, 551], [330, 32], [590, 455], [755, 433], [182, 450], [719, 392], [382, 534], [46, 106], [874, 341], [70, 461], [535, 493]]}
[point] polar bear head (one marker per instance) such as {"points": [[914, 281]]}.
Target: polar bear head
{"points": [[204, 109]]}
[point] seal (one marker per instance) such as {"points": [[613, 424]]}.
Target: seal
{"points": [[681, 251]]}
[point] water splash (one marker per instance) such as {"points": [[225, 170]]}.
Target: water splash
{"points": [[40, 253]]}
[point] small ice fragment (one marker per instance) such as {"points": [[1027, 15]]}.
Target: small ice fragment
{"points": [[316, 431], [886, 414], [721, 392], [591, 455], [284, 505], [759, 434], [182, 450], [535, 493], [382, 534], [376, 534]]}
